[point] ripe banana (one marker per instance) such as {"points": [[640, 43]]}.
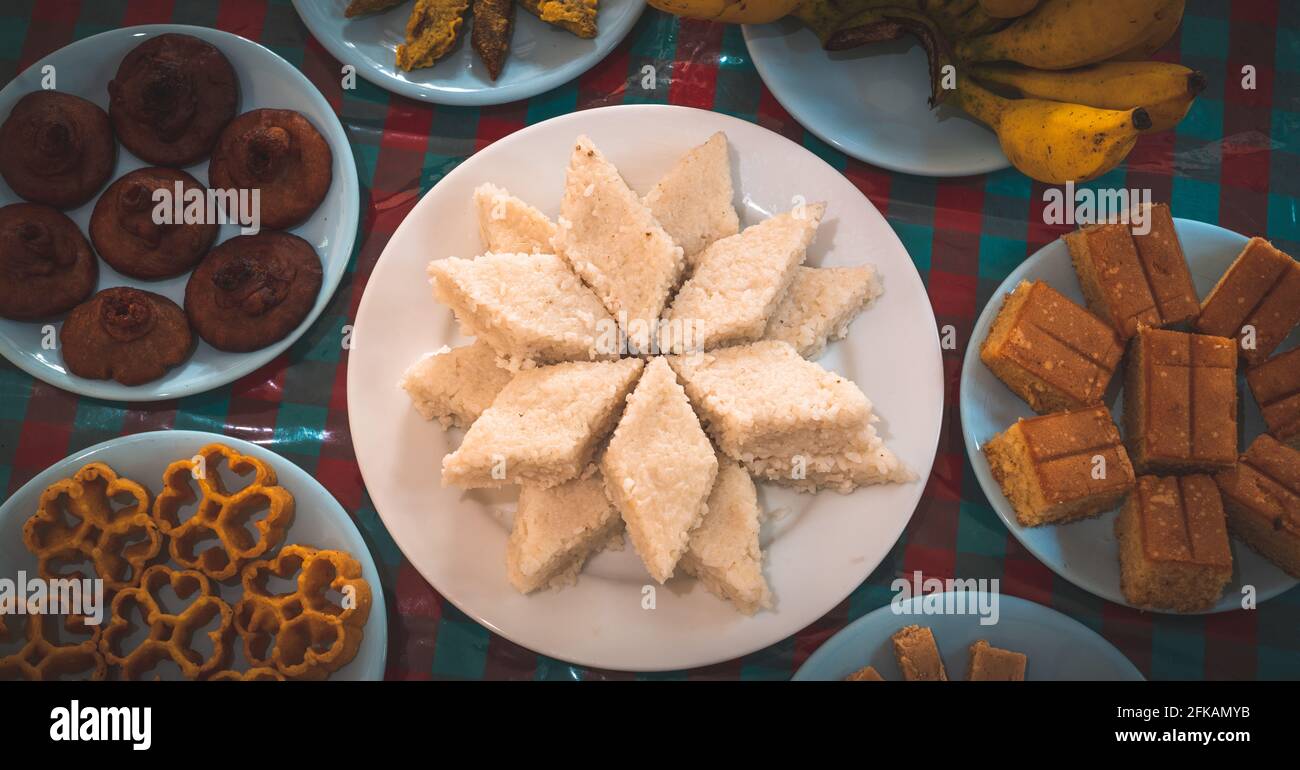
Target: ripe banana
{"points": [[1007, 9], [890, 23], [1165, 90], [1055, 142], [1170, 16], [728, 11], [1062, 34]]}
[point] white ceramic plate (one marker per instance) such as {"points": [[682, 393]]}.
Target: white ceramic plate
{"points": [[265, 80], [319, 521], [870, 102], [1059, 648], [818, 551], [541, 57], [1085, 552]]}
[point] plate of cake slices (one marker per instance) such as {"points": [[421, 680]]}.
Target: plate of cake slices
{"points": [[1129, 404], [216, 560], [965, 636], [178, 205], [469, 53], [662, 400]]}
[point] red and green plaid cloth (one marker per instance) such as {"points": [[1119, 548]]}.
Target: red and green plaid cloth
{"points": [[1234, 161]]}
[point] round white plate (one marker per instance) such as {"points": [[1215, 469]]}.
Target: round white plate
{"points": [[318, 521], [1085, 552], [819, 550], [265, 80], [871, 102], [541, 57], [1059, 648]]}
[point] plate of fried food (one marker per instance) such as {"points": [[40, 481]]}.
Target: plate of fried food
{"points": [[1129, 404], [469, 52], [177, 206], [185, 555], [970, 636], [661, 401]]}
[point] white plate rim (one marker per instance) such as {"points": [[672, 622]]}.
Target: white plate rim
{"points": [[334, 269], [493, 95], [828, 652], [805, 114], [992, 491], [376, 628], [610, 660]]}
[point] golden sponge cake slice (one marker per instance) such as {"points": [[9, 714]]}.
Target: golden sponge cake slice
{"points": [[556, 529], [530, 308], [611, 239], [739, 280], [544, 426], [510, 226], [455, 385], [819, 306], [659, 468], [693, 200], [724, 552]]}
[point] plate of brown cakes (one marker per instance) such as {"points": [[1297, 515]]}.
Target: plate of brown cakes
{"points": [[469, 52], [177, 206], [1131, 404]]}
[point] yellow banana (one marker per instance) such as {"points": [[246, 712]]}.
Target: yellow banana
{"points": [[1165, 90], [1062, 34], [728, 11], [1170, 17], [1055, 142], [1007, 9]]}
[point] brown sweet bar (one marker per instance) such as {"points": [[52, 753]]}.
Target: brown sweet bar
{"points": [[918, 655], [1062, 467], [994, 664], [1049, 351], [866, 674], [1180, 402], [1173, 544], [1261, 292], [1261, 495], [1276, 385]]}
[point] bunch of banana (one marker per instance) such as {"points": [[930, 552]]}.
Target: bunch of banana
{"points": [[1064, 83]]}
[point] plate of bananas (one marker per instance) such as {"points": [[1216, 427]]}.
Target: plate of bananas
{"points": [[1060, 89]]}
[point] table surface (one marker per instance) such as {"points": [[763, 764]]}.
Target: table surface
{"points": [[1233, 161]]}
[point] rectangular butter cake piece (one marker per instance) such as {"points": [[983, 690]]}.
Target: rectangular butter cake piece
{"points": [[1276, 387], [1256, 302], [1261, 495], [1180, 402], [1061, 467], [1049, 351], [1173, 544]]}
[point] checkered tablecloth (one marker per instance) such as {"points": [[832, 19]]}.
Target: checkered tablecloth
{"points": [[1234, 161]]}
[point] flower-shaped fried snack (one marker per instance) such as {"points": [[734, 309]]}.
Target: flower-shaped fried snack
{"points": [[259, 674], [305, 633], [228, 516], [171, 633], [94, 516], [45, 657]]}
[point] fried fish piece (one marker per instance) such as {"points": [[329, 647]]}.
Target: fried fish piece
{"points": [[431, 32], [577, 16], [363, 7], [493, 20]]}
